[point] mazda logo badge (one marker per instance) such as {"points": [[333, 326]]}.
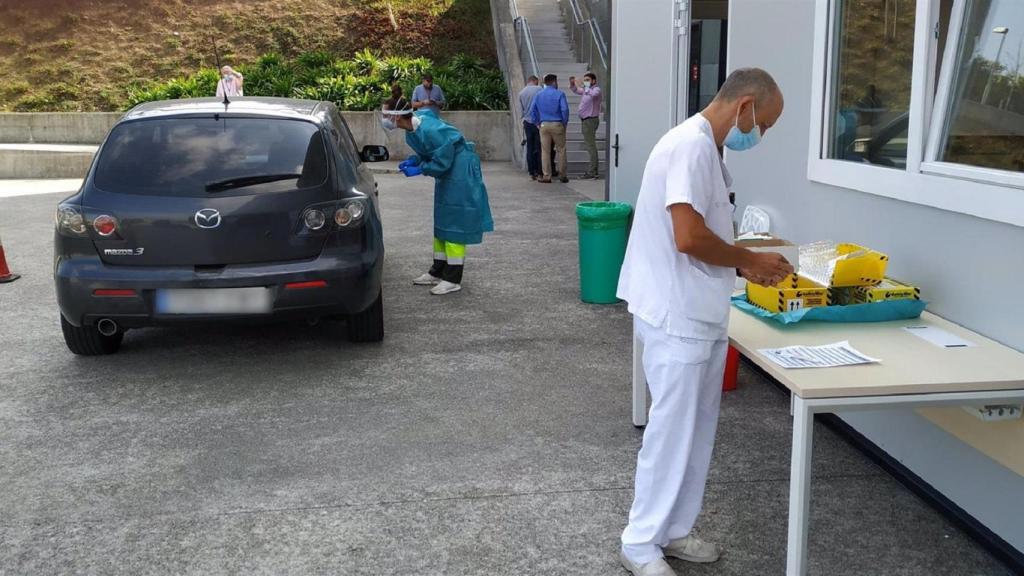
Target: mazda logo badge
{"points": [[208, 218]]}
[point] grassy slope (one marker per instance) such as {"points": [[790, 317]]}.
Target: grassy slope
{"points": [[82, 54]]}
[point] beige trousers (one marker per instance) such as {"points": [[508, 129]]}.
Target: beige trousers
{"points": [[552, 133]]}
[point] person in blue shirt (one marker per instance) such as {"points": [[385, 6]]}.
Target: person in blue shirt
{"points": [[462, 212], [427, 96], [550, 111]]}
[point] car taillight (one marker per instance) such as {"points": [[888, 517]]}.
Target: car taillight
{"points": [[70, 221], [348, 214], [329, 217], [343, 217], [357, 208], [105, 225], [315, 219]]}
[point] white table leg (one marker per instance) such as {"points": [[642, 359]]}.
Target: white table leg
{"points": [[799, 488], [639, 383]]}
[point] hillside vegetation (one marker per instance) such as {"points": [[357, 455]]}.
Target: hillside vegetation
{"points": [[85, 55]]}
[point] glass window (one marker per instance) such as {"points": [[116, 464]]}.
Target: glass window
{"points": [[348, 157], [873, 57], [184, 156], [984, 123]]}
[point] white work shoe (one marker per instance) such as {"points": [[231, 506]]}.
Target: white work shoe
{"points": [[693, 549], [445, 287], [426, 280], [657, 568]]}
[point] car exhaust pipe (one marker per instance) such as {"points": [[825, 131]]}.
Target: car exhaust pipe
{"points": [[107, 327]]}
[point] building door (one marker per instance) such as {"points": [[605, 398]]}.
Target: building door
{"points": [[650, 62], [707, 60]]}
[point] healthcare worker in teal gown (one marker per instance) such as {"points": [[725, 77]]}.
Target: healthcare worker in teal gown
{"points": [[462, 213]]}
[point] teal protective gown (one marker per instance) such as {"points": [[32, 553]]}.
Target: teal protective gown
{"points": [[461, 211]]}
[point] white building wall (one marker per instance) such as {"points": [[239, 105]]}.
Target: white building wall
{"points": [[970, 269]]}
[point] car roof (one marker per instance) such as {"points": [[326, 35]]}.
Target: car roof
{"points": [[244, 106]]}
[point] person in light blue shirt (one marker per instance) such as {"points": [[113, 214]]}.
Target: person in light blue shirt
{"points": [[427, 96], [550, 111], [531, 132]]}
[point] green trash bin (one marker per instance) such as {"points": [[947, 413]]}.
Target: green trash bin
{"points": [[603, 233]]}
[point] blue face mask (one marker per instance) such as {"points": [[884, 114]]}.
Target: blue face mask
{"points": [[739, 140]]}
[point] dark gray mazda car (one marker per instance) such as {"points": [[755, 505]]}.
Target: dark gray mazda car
{"points": [[201, 210]]}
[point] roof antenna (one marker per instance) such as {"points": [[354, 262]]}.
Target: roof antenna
{"points": [[216, 55]]}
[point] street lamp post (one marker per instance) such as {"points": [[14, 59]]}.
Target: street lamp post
{"points": [[1002, 31], [1016, 76]]}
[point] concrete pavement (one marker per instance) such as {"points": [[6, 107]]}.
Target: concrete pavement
{"points": [[489, 434]]}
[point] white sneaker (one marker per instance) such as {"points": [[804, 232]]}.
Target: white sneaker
{"points": [[445, 287], [657, 568], [426, 280], [693, 549]]}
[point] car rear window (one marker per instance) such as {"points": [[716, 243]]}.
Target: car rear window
{"points": [[184, 156]]}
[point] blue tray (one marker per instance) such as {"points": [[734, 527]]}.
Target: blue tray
{"points": [[885, 311]]}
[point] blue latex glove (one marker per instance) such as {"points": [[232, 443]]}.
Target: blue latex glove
{"points": [[410, 161], [411, 171]]}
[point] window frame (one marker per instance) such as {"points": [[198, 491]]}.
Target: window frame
{"points": [[987, 193]]}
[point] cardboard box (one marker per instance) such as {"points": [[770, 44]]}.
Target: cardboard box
{"points": [[789, 251], [888, 289], [787, 297]]}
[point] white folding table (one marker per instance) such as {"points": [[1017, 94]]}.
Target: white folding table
{"points": [[913, 372]]}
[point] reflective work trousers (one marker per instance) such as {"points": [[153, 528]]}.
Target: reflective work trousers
{"points": [[449, 259]]}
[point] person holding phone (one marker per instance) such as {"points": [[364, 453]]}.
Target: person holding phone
{"points": [[428, 96]]}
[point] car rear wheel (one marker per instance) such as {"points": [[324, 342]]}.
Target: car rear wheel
{"points": [[87, 340], [368, 325]]}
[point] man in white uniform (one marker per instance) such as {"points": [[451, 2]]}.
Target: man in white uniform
{"points": [[678, 277]]}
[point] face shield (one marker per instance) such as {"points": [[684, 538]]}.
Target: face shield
{"points": [[388, 117]]}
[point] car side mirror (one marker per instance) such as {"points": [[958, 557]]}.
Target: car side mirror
{"points": [[375, 153]]}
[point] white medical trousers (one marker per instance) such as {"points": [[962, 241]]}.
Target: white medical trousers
{"points": [[685, 380]]}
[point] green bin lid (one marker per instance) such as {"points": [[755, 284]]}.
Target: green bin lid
{"points": [[603, 211]]}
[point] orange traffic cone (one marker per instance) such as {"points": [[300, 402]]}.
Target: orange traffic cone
{"points": [[5, 273]]}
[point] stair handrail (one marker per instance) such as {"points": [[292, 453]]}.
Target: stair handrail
{"points": [[595, 36], [524, 39]]}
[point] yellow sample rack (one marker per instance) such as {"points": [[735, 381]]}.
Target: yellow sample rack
{"points": [[793, 293]]}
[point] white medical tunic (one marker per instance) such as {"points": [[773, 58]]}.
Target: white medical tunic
{"points": [[664, 287]]}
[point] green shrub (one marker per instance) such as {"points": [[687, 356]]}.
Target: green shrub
{"points": [[362, 82], [35, 103], [14, 89]]}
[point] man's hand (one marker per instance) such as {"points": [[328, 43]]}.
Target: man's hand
{"points": [[766, 268]]}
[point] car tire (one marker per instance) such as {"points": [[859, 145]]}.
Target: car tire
{"points": [[87, 340], [368, 325]]}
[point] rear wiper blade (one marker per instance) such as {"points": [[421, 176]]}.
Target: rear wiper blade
{"points": [[243, 181]]}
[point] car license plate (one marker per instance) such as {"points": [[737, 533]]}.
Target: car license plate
{"points": [[258, 300]]}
